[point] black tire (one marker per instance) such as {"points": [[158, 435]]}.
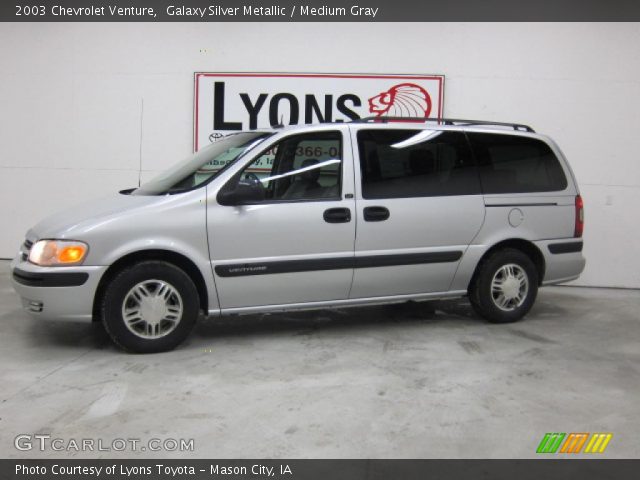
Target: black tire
{"points": [[183, 295], [483, 298]]}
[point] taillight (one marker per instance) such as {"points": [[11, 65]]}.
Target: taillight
{"points": [[577, 232]]}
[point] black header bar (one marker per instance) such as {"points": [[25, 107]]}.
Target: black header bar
{"points": [[319, 11]]}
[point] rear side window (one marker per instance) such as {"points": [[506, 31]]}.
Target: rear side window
{"points": [[415, 163], [514, 164]]}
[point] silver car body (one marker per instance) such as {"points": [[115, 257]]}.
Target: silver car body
{"points": [[195, 228]]}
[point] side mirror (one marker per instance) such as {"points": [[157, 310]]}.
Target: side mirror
{"points": [[243, 193]]}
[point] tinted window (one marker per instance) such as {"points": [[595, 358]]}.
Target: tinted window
{"points": [[415, 163], [514, 164], [300, 167]]}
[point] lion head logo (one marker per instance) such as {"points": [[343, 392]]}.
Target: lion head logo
{"points": [[402, 100]]}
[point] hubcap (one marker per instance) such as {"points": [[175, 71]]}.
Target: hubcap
{"points": [[509, 287], [152, 309]]}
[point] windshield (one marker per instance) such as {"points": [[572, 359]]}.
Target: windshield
{"points": [[202, 166]]}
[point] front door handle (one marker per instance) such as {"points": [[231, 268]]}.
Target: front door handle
{"points": [[337, 215], [376, 214]]}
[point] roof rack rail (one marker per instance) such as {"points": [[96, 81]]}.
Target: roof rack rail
{"points": [[445, 121]]}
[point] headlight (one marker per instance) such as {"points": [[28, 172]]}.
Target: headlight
{"points": [[58, 252]]}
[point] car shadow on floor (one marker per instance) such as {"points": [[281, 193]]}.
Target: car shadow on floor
{"points": [[85, 335], [93, 335], [457, 313], [308, 321]]}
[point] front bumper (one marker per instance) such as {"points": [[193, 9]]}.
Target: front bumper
{"points": [[56, 293]]}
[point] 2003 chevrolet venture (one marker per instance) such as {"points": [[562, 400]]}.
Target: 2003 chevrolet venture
{"points": [[320, 216]]}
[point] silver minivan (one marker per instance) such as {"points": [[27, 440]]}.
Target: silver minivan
{"points": [[333, 215]]}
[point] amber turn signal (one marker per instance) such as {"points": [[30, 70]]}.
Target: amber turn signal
{"points": [[71, 254]]}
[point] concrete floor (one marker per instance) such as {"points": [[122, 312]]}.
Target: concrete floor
{"points": [[380, 382]]}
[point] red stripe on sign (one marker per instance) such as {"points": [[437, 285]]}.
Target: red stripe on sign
{"points": [[320, 75], [195, 134]]}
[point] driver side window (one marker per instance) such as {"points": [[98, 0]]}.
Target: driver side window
{"points": [[300, 167]]}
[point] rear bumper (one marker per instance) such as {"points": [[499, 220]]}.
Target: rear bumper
{"points": [[56, 293], [563, 259]]}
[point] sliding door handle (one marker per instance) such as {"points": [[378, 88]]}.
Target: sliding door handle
{"points": [[376, 214]]}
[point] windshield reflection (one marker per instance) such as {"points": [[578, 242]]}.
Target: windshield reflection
{"points": [[203, 166]]}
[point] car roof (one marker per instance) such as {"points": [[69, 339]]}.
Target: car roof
{"points": [[480, 126]]}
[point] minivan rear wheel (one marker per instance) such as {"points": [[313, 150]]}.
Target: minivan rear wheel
{"points": [[505, 286], [150, 306]]}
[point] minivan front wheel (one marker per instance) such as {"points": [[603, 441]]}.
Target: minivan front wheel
{"points": [[150, 306], [505, 286]]}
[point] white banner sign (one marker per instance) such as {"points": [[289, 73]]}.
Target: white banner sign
{"points": [[230, 102]]}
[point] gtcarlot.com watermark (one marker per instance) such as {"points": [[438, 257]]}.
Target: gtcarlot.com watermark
{"points": [[45, 442]]}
